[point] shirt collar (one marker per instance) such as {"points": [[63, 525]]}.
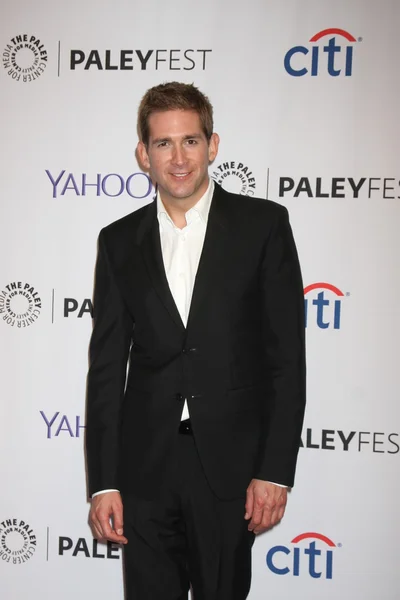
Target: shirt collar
{"points": [[202, 207]]}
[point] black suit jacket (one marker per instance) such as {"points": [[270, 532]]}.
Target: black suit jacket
{"points": [[240, 362]]}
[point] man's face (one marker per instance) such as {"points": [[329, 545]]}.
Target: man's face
{"points": [[178, 155]]}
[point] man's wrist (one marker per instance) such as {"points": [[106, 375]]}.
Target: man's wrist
{"points": [[103, 492], [278, 484]]}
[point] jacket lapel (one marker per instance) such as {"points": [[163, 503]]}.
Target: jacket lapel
{"points": [[152, 256], [211, 264]]}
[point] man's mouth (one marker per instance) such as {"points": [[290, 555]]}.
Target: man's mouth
{"points": [[180, 175]]}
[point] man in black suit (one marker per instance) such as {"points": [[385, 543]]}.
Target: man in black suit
{"points": [[192, 447]]}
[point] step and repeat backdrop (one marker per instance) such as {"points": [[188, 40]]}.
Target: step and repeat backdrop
{"points": [[306, 98]]}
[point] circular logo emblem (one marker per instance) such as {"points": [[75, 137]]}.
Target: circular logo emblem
{"points": [[20, 304], [17, 541], [235, 177], [24, 58]]}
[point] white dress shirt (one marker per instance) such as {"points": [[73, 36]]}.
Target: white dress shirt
{"points": [[181, 250]]}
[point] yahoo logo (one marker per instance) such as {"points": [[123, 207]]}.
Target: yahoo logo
{"points": [[58, 424], [295, 68], [137, 185]]}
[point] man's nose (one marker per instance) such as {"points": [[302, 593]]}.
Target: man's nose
{"points": [[179, 156]]}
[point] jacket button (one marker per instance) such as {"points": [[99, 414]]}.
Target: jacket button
{"points": [[179, 397]]}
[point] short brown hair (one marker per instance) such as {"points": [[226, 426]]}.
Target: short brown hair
{"points": [[174, 95]]}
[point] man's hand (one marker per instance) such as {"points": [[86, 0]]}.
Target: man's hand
{"points": [[105, 507], [265, 505]]}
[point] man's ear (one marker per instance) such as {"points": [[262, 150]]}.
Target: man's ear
{"points": [[213, 147], [143, 157]]}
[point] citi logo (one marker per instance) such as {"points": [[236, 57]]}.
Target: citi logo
{"points": [[296, 66], [316, 557], [323, 306]]}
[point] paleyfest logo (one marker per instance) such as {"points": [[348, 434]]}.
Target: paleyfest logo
{"points": [[139, 60], [17, 541], [24, 58], [387, 188], [20, 304], [235, 177]]}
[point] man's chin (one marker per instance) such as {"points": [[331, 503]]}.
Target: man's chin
{"points": [[184, 190], [180, 192]]}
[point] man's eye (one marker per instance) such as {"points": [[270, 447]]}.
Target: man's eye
{"points": [[192, 142], [162, 144]]}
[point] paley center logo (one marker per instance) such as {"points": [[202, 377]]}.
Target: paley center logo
{"points": [[341, 43], [324, 305], [137, 185], [17, 541], [20, 304], [24, 58], [314, 558], [235, 177]]}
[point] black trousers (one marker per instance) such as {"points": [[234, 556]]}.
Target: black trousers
{"points": [[186, 537]]}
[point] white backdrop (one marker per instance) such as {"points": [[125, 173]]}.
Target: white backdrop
{"points": [[311, 124]]}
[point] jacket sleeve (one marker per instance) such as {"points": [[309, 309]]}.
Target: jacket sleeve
{"points": [[108, 356], [284, 346]]}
